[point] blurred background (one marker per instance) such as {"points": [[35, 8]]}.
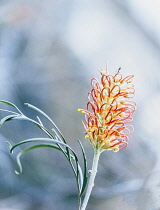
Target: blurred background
{"points": [[49, 51]]}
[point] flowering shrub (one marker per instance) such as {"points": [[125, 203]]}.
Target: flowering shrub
{"points": [[109, 110]]}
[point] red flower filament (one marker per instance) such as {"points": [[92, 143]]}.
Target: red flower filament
{"points": [[109, 110]]}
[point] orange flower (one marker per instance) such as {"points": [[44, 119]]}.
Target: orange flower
{"points": [[109, 110]]}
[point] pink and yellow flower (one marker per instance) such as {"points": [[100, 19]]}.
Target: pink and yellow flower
{"points": [[109, 110]]}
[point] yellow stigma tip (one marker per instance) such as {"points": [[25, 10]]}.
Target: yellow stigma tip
{"points": [[87, 136], [79, 110], [116, 149]]}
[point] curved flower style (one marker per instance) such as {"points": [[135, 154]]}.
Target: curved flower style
{"points": [[109, 110]]}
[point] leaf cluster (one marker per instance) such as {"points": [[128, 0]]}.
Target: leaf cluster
{"points": [[55, 141]]}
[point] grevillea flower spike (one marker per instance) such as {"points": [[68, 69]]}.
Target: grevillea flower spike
{"points": [[109, 110]]}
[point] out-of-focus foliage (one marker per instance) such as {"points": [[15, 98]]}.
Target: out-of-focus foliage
{"points": [[49, 51]]}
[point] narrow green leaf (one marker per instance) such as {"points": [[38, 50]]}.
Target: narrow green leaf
{"points": [[4, 110], [39, 140], [7, 118], [46, 116], [19, 164], [10, 104], [23, 117], [40, 122], [80, 176], [29, 149], [44, 140], [78, 171], [55, 129], [51, 141], [9, 144], [42, 128], [85, 177], [41, 112]]}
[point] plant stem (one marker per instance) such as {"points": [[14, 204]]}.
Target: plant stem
{"points": [[91, 179]]}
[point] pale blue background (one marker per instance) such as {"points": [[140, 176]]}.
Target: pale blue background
{"points": [[49, 51]]}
